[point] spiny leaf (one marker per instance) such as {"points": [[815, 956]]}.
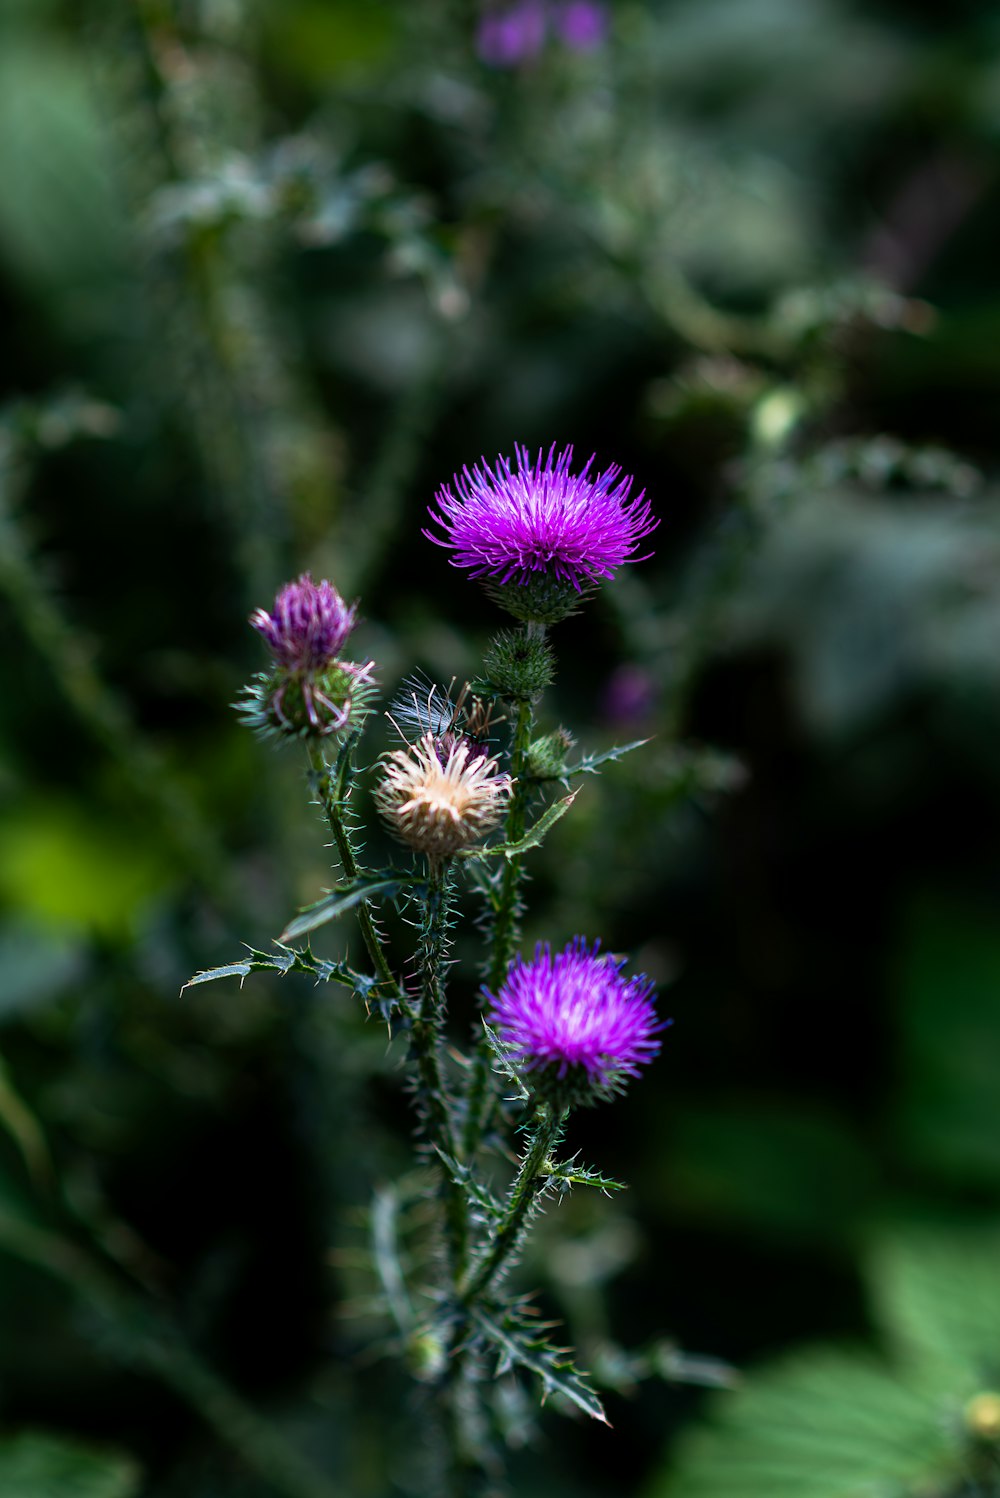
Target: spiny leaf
{"points": [[591, 763], [387, 883], [286, 960], [504, 1066], [582, 1175], [519, 1345], [531, 839], [476, 1192]]}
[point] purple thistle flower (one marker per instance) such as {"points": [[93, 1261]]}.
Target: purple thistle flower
{"points": [[309, 625], [513, 35], [576, 1010], [581, 24], [510, 524]]}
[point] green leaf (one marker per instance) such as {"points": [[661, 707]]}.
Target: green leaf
{"points": [[583, 1175], [820, 1425], [531, 839], [386, 883], [35, 1464], [937, 1294], [289, 960], [520, 1345]]}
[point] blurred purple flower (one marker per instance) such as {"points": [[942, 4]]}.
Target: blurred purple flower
{"points": [[308, 626], [511, 34], [581, 24], [630, 696], [510, 523], [575, 1009]]}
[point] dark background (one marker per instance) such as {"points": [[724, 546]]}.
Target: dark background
{"points": [[269, 273]]}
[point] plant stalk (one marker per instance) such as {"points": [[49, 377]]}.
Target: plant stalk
{"points": [[528, 1183], [479, 1104], [331, 790], [425, 1040]]}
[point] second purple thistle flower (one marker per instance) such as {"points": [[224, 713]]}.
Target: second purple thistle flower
{"points": [[574, 1011], [511, 523]]}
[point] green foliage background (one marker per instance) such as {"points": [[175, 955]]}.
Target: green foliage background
{"points": [[270, 271]]}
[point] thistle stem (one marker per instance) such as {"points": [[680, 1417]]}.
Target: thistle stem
{"points": [[425, 1040], [528, 1183], [479, 1104], [331, 791]]}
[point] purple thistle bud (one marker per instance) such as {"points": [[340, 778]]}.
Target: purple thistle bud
{"points": [[309, 691], [575, 1013], [309, 625], [511, 35], [581, 24], [537, 523]]}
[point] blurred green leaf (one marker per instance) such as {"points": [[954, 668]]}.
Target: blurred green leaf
{"points": [[63, 864], [832, 1424], [59, 218], [819, 1425], [39, 1465], [937, 1294]]}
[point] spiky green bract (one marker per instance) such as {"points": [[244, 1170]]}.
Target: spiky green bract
{"points": [[519, 663], [293, 703], [540, 599]]}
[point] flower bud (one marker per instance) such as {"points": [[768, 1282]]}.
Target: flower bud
{"points": [[309, 691], [548, 755], [519, 664]]}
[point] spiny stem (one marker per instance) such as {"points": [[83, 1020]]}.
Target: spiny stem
{"points": [[425, 1040], [331, 791], [528, 1183], [505, 925], [479, 1103]]}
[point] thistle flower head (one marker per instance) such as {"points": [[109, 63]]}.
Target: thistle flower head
{"points": [[309, 625], [438, 799], [575, 1018], [538, 534], [308, 690]]}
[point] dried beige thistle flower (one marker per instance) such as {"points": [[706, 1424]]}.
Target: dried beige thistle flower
{"points": [[439, 799]]}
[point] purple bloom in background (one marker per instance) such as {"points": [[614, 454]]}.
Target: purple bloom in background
{"points": [[630, 696], [581, 24], [576, 1010], [508, 524], [512, 34], [308, 626]]}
